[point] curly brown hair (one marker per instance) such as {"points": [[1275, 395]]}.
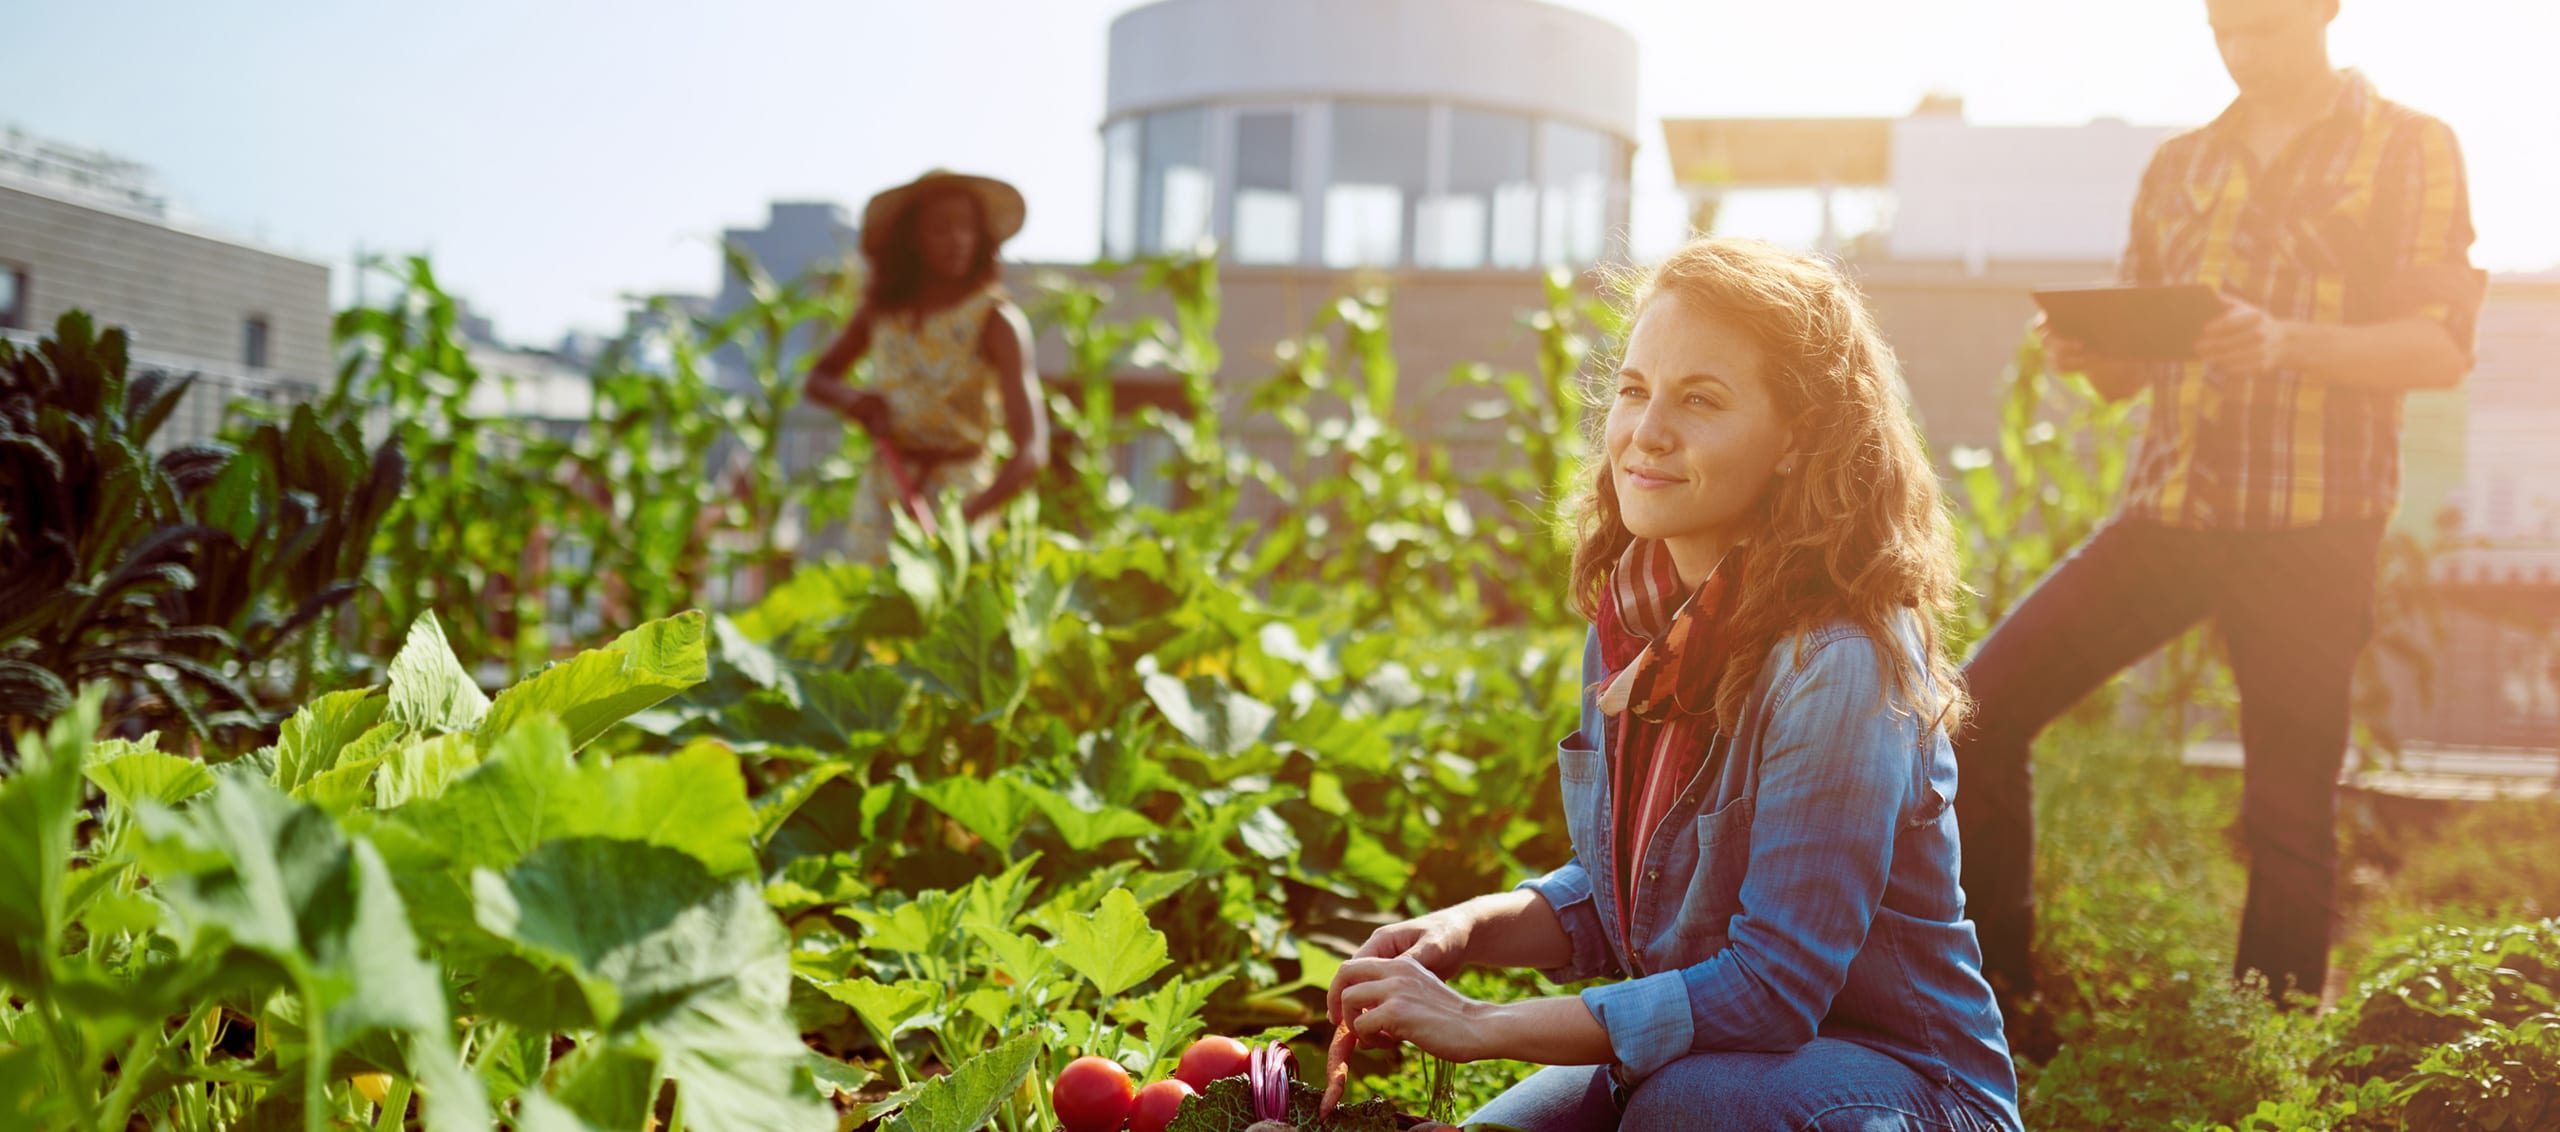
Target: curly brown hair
{"points": [[1859, 532], [897, 279]]}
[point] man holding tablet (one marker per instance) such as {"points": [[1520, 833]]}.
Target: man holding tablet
{"points": [[2334, 226]]}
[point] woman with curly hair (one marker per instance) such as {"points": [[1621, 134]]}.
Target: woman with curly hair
{"points": [[950, 356], [1758, 795]]}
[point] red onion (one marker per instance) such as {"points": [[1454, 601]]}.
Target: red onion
{"points": [[1267, 1074]]}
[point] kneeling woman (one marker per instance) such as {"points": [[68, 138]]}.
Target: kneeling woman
{"points": [[1758, 794]]}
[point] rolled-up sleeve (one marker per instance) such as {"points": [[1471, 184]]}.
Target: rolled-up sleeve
{"points": [[2423, 216], [1837, 775], [1568, 891]]}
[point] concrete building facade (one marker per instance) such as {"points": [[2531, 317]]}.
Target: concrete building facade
{"points": [[84, 230], [798, 239], [1438, 134], [80, 230]]}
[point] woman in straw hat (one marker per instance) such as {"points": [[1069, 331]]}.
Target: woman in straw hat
{"points": [[950, 356]]}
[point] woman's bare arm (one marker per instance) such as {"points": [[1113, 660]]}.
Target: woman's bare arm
{"points": [[1006, 345], [848, 348]]}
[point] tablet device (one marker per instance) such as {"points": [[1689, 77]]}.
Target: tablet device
{"points": [[2140, 323]]}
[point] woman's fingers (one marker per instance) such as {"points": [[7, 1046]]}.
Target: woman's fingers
{"points": [[1352, 973], [1385, 943], [1356, 971], [1414, 942], [1376, 1026], [1366, 996], [1362, 984], [1333, 993], [1361, 967]]}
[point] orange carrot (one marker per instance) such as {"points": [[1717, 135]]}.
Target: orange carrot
{"points": [[1337, 1068]]}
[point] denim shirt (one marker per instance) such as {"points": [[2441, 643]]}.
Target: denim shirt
{"points": [[1816, 895]]}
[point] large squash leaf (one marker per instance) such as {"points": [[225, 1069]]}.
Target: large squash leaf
{"points": [[430, 690], [601, 687], [671, 959]]}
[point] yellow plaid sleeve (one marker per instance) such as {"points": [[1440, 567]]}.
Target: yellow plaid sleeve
{"points": [[2428, 217]]}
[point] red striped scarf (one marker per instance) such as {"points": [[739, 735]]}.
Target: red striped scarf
{"points": [[1665, 646]]}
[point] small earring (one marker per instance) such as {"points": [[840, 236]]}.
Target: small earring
{"points": [[1787, 469]]}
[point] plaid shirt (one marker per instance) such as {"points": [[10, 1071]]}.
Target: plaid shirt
{"points": [[2362, 218]]}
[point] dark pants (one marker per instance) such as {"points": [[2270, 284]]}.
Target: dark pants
{"points": [[2295, 609]]}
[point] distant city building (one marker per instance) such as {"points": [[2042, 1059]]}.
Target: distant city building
{"points": [[1954, 192], [91, 176], [1971, 219], [2511, 486], [1439, 134], [539, 386], [645, 328], [472, 324], [1976, 195], [80, 229], [799, 238], [2483, 467]]}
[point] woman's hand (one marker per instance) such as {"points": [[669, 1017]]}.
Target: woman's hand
{"points": [[1401, 1000], [861, 406], [868, 409], [829, 391], [1437, 941]]}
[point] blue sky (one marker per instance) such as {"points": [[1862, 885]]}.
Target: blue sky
{"points": [[553, 155]]}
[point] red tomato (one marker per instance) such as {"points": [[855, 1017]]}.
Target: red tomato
{"points": [[1158, 1104], [1092, 1095], [1212, 1058]]}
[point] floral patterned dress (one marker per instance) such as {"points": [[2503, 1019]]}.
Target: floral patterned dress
{"points": [[944, 407]]}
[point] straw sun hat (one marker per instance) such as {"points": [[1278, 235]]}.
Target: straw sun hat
{"points": [[999, 203]]}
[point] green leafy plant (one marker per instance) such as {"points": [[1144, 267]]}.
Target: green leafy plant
{"points": [[180, 579], [897, 843]]}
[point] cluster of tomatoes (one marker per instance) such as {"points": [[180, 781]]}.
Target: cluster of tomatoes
{"points": [[1094, 1094]]}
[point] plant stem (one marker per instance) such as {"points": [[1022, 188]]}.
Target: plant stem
{"points": [[395, 1108], [130, 1070], [1040, 1099], [65, 1063], [889, 1049], [315, 1065]]}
